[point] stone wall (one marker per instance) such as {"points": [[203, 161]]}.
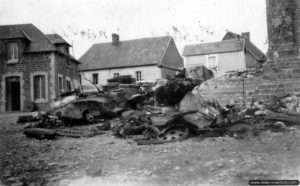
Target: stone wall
{"points": [[27, 64], [283, 18], [297, 24], [276, 78], [66, 70], [30, 63]]}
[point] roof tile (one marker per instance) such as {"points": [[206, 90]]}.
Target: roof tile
{"points": [[138, 52], [212, 48]]}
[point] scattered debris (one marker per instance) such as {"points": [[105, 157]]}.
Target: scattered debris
{"points": [[290, 104], [40, 133], [27, 118], [245, 73], [76, 132], [182, 113]]}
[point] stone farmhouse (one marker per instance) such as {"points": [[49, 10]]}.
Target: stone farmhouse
{"points": [[34, 68]]}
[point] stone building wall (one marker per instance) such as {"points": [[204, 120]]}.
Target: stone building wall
{"points": [[277, 77], [71, 71], [297, 24], [27, 64], [283, 20]]}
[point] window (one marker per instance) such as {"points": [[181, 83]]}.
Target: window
{"points": [[39, 87], [116, 74], [12, 52], [69, 87], [60, 84], [95, 79], [138, 75], [212, 62], [68, 61]]}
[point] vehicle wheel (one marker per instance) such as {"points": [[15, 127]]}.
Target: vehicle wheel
{"points": [[89, 117], [175, 134], [29, 107]]}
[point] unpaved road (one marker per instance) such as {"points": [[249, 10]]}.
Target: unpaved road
{"points": [[107, 160]]}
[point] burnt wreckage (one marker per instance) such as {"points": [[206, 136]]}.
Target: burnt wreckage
{"points": [[173, 112]]}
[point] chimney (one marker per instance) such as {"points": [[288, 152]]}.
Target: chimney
{"points": [[246, 35], [115, 39]]}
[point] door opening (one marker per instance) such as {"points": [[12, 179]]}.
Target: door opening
{"points": [[13, 93]]}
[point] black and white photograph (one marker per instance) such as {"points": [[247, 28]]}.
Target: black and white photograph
{"points": [[149, 92]]}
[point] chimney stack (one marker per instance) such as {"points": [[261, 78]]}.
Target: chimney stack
{"points": [[246, 35], [115, 39]]}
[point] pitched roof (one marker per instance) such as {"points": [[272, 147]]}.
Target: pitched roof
{"points": [[249, 46], [231, 35], [215, 47], [38, 41], [137, 52], [254, 51], [231, 42], [57, 39]]}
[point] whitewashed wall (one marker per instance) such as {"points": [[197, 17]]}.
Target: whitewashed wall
{"points": [[149, 73], [226, 61]]}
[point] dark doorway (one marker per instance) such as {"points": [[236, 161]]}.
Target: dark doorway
{"points": [[12, 93]]}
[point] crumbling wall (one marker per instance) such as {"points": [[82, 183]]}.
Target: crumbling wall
{"points": [[276, 78], [279, 76]]}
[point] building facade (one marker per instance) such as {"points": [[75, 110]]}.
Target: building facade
{"points": [[34, 68], [234, 52], [139, 58]]}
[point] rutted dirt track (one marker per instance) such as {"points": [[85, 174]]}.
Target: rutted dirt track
{"points": [[107, 160]]}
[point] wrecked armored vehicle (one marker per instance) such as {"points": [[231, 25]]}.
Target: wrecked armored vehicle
{"points": [[86, 108], [195, 116], [90, 107]]}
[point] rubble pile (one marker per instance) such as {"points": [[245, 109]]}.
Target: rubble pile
{"points": [[290, 104], [237, 74], [247, 73], [181, 113], [132, 122]]}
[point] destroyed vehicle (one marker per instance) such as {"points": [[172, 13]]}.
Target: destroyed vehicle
{"points": [[91, 107], [87, 109], [145, 83], [91, 89], [196, 116], [123, 79], [159, 83]]}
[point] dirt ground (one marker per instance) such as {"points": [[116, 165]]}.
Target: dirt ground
{"points": [[107, 160]]}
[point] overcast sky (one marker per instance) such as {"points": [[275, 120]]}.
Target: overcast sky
{"points": [[84, 22]]}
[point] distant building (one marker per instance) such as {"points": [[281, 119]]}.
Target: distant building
{"points": [[34, 67], [232, 53], [139, 58]]}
